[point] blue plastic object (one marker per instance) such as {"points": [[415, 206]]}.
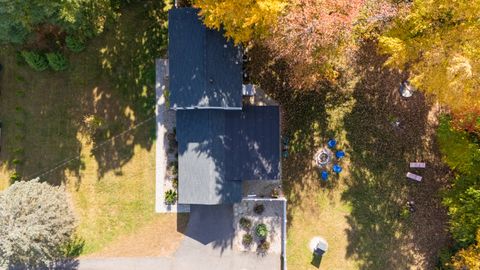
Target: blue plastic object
{"points": [[324, 175], [337, 168], [331, 143], [285, 154], [340, 154]]}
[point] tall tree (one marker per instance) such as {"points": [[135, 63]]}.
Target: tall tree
{"points": [[241, 20], [36, 224], [438, 43], [468, 258], [19, 18], [310, 36], [462, 153]]}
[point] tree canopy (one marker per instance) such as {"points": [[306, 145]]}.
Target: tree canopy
{"points": [[19, 19], [462, 154], [311, 35], [468, 258], [241, 20], [36, 223], [437, 41]]}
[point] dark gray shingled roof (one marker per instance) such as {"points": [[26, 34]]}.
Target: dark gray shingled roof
{"points": [[253, 148], [220, 148], [205, 70]]}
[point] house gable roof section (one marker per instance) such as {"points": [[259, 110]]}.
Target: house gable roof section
{"points": [[219, 148], [254, 152], [205, 68], [201, 159]]}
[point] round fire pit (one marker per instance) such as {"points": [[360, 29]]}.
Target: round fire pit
{"points": [[323, 157]]}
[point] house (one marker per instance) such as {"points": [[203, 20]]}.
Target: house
{"points": [[221, 141]]}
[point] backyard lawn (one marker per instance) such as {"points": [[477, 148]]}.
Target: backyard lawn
{"points": [[360, 212], [101, 111], [91, 128]]}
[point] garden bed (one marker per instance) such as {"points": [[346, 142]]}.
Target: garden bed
{"points": [[166, 147], [171, 175], [247, 221]]}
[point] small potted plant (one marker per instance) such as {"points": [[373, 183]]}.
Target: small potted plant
{"points": [[263, 246], [261, 231], [175, 183], [259, 208], [173, 167], [170, 196], [275, 193], [245, 223], [247, 240]]}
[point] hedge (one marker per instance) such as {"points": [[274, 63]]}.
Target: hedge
{"points": [[57, 61], [35, 60]]}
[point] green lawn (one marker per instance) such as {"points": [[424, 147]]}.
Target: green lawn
{"points": [[47, 118], [359, 212]]}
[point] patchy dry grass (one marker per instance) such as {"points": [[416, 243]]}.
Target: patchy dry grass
{"points": [[159, 238], [45, 114], [118, 204]]}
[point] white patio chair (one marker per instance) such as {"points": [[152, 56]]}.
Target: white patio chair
{"points": [[421, 165], [414, 176]]}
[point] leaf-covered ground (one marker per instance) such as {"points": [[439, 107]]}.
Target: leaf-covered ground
{"points": [[359, 213]]}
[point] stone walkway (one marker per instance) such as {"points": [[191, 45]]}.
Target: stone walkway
{"points": [[165, 123]]}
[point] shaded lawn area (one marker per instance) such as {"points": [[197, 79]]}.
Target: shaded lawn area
{"points": [[359, 212], [108, 89]]}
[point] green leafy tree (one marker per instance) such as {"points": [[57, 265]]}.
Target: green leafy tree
{"points": [[36, 225], [18, 19], [468, 258], [463, 202], [35, 60], [462, 154], [459, 151], [57, 61], [74, 44], [438, 43]]}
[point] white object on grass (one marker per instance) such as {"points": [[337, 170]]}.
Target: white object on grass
{"points": [[418, 165], [318, 243], [414, 176]]}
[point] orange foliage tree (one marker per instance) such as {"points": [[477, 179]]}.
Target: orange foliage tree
{"points": [[310, 34]]}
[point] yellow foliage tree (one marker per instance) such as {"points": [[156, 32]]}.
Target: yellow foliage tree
{"points": [[468, 258], [439, 42], [242, 20]]}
